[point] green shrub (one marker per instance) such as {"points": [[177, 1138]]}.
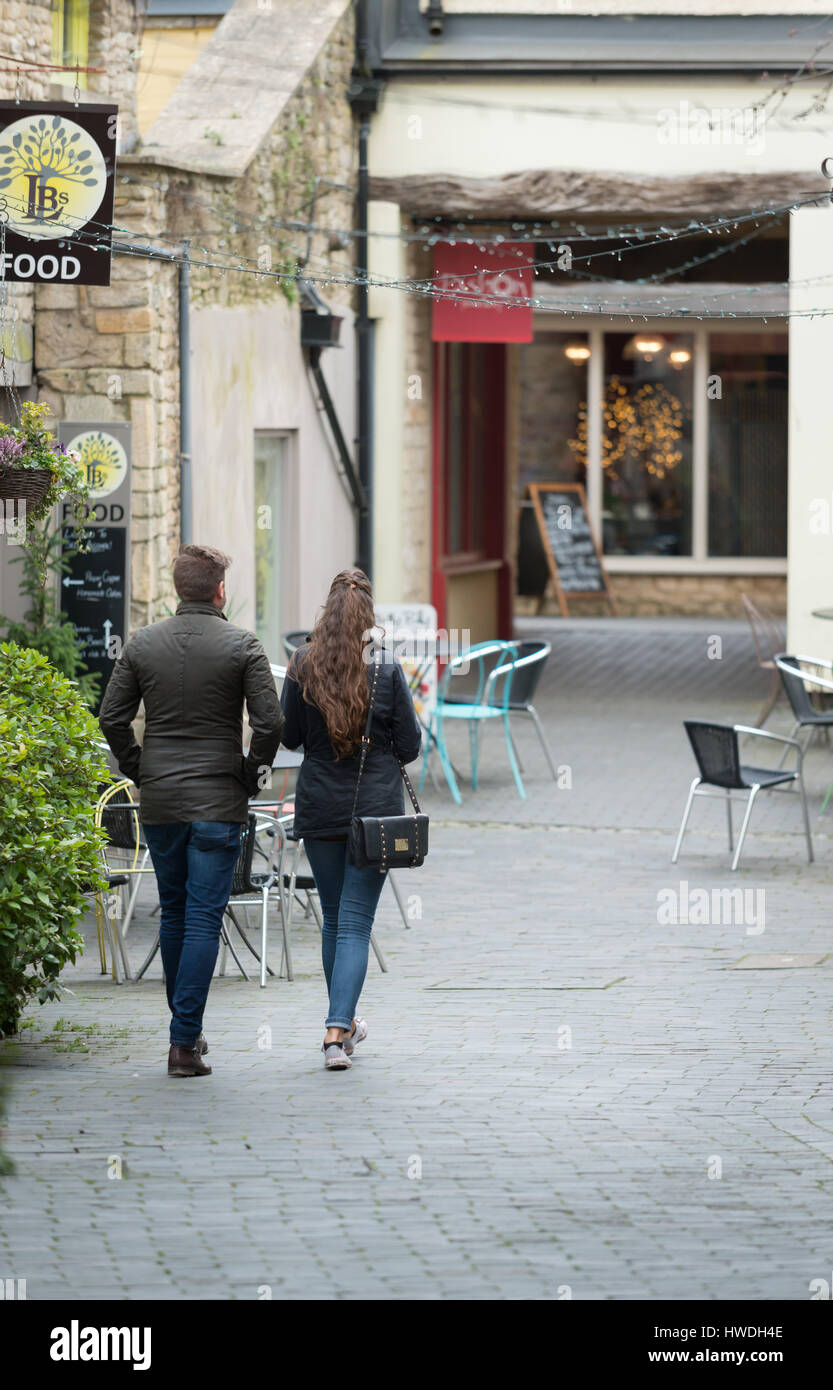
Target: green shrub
{"points": [[50, 769]]}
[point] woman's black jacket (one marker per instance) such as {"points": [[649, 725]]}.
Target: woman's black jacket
{"points": [[326, 786]]}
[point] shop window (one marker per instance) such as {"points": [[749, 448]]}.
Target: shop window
{"points": [[748, 444], [646, 443], [71, 37]]}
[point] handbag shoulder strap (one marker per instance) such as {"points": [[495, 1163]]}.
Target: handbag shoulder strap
{"points": [[366, 734], [366, 745]]}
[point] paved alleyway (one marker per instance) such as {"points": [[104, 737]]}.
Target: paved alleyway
{"points": [[559, 1095]]}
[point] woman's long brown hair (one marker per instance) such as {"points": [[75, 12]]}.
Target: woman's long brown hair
{"points": [[333, 673]]}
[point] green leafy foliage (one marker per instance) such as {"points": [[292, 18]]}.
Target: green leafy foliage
{"points": [[43, 626], [50, 855]]}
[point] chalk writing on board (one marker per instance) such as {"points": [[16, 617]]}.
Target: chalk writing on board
{"points": [[93, 595], [571, 543]]}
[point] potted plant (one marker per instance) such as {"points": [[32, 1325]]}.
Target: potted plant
{"points": [[35, 468]]}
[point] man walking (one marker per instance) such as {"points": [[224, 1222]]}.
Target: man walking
{"points": [[193, 672]]}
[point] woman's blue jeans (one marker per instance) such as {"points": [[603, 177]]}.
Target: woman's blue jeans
{"points": [[348, 905], [194, 863]]}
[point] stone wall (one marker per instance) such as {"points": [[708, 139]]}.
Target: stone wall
{"points": [[247, 222], [668, 595], [26, 29], [114, 46], [111, 353]]}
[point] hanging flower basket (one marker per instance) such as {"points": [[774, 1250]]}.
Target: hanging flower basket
{"points": [[34, 467], [27, 484]]}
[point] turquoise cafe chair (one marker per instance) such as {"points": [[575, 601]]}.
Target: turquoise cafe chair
{"points": [[494, 663]]}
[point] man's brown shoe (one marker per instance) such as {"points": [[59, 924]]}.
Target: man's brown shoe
{"points": [[186, 1061]]}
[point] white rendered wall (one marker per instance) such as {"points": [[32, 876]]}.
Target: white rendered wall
{"points": [[247, 374], [387, 308], [810, 532], [488, 126]]}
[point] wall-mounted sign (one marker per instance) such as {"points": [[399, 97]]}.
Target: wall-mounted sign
{"points": [[95, 593], [483, 296], [57, 171]]}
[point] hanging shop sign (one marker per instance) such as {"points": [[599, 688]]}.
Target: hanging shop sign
{"points": [[483, 296], [57, 173], [95, 590]]}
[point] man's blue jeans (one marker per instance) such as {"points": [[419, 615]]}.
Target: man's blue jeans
{"points": [[348, 905], [194, 862]]}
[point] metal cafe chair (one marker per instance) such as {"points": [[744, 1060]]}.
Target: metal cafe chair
{"points": [[527, 670], [492, 659], [796, 682], [716, 750], [768, 639], [250, 887], [114, 881], [295, 883], [291, 641], [118, 815]]}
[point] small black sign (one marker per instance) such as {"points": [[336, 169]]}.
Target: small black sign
{"points": [[571, 542], [565, 543], [93, 595], [57, 173]]}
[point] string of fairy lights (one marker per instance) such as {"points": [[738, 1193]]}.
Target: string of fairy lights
{"points": [[321, 270]]}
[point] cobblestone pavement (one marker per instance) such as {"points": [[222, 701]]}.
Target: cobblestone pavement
{"points": [[560, 1095]]}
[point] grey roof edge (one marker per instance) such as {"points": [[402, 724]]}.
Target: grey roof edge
{"points": [[603, 43]]}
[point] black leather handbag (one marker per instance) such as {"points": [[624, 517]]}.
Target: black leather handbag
{"points": [[386, 842]]}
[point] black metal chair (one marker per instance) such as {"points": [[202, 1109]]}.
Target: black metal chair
{"points": [[795, 682], [293, 640], [716, 749], [295, 882], [251, 887]]}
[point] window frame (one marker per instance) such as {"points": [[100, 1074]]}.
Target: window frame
{"points": [[71, 34], [699, 562]]}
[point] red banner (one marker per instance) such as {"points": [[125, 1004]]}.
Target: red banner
{"points": [[483, 296]]}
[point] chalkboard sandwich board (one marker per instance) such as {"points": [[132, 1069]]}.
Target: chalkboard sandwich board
{"points": [[572, 554]]}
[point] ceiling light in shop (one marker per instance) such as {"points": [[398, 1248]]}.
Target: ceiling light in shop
{"points": [[577, 352], [648, 347], [679, 357]]}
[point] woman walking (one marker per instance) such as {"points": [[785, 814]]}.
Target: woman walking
{"points": [[325, 701]]}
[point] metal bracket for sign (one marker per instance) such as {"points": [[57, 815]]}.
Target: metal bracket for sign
{"points": [[533, 492]]}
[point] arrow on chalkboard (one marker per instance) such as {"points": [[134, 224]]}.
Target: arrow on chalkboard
{"points": [[69, 581], [108, 628]]}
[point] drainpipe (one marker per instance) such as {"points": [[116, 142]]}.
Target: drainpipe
{"points": [[185, 509], [363, 95]]}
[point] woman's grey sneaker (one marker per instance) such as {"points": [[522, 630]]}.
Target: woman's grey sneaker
{"points": [[335, 1057], [350, 1039]]}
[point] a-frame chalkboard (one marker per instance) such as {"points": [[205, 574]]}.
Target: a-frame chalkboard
{"points": [[572, 553]]}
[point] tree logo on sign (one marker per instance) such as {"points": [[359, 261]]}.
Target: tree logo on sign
{"points": [[53, 176], [103, 459]]}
